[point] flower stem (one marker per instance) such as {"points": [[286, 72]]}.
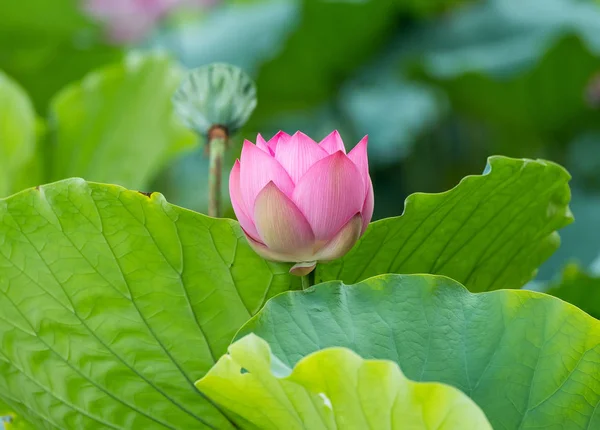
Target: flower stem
{"points": [[217, 143], [305, 282]]}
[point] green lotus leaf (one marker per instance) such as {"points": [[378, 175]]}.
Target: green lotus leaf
{"points": [[332, 389], [118, 124], [113, 302], [527, 359], [17, 137], [490, 231]]}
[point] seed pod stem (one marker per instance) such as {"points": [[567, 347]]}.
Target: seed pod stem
{"points": [[217, 144]]}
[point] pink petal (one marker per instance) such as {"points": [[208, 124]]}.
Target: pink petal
{"points": [[343, 241], [367, 210], [238, 204], [257, 169], [359, 157], [280, 224], [330, 192], [262, 144], [298, 154], [266, 253], [333, 143], [281, 136]]}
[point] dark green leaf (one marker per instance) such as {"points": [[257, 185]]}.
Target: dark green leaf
{"points": [[541, 99], [490, 231], [578, 288], [522, 67], [305, 74]]}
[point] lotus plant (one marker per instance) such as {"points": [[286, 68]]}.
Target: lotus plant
{"points": [[301, 201]]}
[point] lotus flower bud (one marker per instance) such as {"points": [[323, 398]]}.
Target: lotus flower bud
{"points": [[301, 201]]}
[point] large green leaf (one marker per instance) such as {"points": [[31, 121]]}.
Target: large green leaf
{"points": [[578, 288], [17, 136], [490, 231], [527, 359], [112, 303], [118, 125], [332, 389]]}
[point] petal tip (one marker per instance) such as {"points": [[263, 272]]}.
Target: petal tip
{"points": [[333, 142], [303, 269]]}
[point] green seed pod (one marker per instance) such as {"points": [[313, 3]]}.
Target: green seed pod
{"points": [[215, 95]]}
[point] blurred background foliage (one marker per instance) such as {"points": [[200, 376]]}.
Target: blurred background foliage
{"points": [[439, 85]]}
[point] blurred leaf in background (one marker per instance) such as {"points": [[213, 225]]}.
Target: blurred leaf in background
{"points": [[244, 34], [45, 45], [580, 241], [332, 39], [118, 124], [520, 68], [578, 288], [18, 136]]}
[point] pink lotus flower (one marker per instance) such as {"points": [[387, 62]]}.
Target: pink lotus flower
{"points": [[299, 201], [130, 20]]}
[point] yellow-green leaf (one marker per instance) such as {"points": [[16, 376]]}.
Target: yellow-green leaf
{"points": [[112, 303], [332, 389]]}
